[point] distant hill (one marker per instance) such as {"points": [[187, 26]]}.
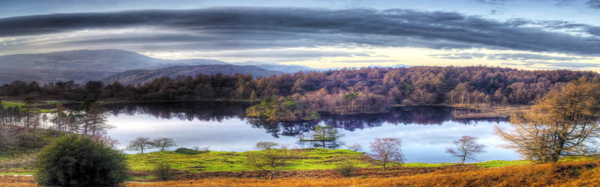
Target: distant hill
{"points": [[85, 65], [106, 60], [82, 65], [278, 67], [142, 76]]}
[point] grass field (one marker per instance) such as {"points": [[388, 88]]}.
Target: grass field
{"points": [[311, 159], [568, 173], [7, 104]]}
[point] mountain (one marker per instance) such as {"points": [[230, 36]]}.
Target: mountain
{"points": [[278, 67], [82, 65], [111, 60], [142, 76]]}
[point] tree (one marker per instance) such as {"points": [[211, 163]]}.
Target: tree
{"points": [[266, 145], [387, 150], [74, 161], [95, 118], [355, 147], [60, 115], [268, 160], [563, 122], [466, 147], [30, 111], [322, 136], [163, 143], [140, 144]]}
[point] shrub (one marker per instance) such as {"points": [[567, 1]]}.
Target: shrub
{"points": [[74, 161], [345, 169], [187, 151], [162, 171]]}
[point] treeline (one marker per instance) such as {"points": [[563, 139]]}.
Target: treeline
{"points": [[348, 90], [87, 119]]}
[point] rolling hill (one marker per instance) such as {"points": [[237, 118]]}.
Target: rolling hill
{"points": [[142, 76]]}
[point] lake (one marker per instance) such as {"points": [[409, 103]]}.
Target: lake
{"points": [[222, 126]]}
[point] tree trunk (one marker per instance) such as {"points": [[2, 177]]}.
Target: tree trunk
{"points": [[272, 174]]}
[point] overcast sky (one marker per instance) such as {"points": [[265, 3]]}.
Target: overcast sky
{"points": [[527, 34]]}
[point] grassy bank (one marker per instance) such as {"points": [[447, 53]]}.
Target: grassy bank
{"points": [[7, 104], [570, 173], [307, 159], [483, 111]]}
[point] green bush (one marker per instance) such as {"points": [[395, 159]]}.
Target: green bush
{"points": [[187, 151], [346, 169], [162, 171], [74, 161]]}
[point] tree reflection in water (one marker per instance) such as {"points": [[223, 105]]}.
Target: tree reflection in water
{"points": [[219, 111]]}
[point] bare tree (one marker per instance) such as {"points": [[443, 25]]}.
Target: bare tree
{"points": [[140, 144], [266, 145], [355, 147], [563, 122], [163, 143], [387, 150], [466, 148], [268, 159]]}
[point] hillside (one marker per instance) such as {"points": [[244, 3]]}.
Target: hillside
{"points": [[85, 65], [81, 65], [143, 76]]}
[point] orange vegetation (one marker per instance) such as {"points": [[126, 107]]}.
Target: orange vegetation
{"points": [[560, 174]]}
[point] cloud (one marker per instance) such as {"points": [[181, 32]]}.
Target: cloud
{"points": [[493, 2], [224, 28], [555, 65], [365, 61], [459, 55], [594, 3], [510, 56]]}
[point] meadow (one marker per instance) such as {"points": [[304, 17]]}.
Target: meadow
{"points": [[567, 173]]}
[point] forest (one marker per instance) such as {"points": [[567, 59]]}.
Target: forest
{"points": [[349, 90]]}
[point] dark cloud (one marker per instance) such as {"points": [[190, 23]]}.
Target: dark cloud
{"points": [[508, 56], [245, 27], [594, 3], [526, 57]]}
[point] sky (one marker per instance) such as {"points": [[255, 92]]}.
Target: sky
{"points": [[523, 34]]}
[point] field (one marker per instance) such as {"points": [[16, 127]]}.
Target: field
{"points": [[7, 104], [569, 173]]}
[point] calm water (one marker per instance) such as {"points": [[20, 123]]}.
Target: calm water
{"points": [[425, 131]]}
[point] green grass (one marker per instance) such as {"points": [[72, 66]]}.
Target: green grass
{"points": [[501, 163], [17, 173], [426, 165], [234, 161], [312, 159], [7, 104]]}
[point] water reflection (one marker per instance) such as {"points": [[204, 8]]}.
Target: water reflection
{"points": [[425, 131]]}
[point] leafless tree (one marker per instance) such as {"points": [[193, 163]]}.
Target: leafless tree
{"points": [[466, 148], [387, 150], [355, 147], [266, 145], [140, 144], [163, 143]]}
